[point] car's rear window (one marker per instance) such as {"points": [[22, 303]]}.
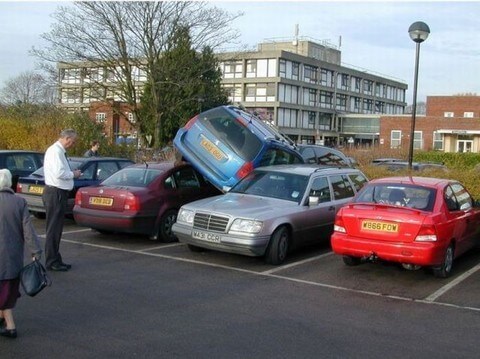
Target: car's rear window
{"points": [[418, 197], [273, 184], [232, 133], [135, 177]]}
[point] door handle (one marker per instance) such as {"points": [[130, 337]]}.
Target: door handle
{"points": [[331, 208]]}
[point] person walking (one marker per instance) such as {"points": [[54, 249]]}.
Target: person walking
{"points": [[15, 229], [93, 151], [58, 183]]}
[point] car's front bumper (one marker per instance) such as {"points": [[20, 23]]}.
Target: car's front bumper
{"points": [[245, 245]]}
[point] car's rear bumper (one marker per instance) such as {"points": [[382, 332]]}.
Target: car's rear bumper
{"points": [[249, 246], [124, 223], [419, 253], [35, 203]]}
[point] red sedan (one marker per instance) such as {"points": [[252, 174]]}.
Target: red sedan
{"points": [[414, 221], [141, 199]]}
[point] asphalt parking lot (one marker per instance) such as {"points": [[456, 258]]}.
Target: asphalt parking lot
{"points": [[128, 296]]}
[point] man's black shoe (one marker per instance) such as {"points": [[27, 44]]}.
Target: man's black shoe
{"points": [[69, 266], [9, 333], [58, 267]]}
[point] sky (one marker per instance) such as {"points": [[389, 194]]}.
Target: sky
{"points": [[374, 36]]}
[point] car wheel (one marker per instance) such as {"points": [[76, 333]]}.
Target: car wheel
{"points": [[39, 215], [351, 261], [195, 248], [164, 232], [444, 270], [278, 247]]}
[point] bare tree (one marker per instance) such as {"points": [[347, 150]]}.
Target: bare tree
{"points": [[124, 37], [28, 88]]}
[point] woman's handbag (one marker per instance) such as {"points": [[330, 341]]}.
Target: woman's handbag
{"points": [[34, 278]]}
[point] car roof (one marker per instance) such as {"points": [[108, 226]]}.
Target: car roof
{"points": [[420, 181], [85, 159], [20, 151], [306, 169], [157, 165]]}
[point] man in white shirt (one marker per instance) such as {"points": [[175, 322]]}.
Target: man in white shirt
{"points": [[58, 183]]}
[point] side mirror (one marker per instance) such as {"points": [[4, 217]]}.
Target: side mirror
{"points": [[312, 200]]}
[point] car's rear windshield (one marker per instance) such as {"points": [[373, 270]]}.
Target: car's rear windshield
{"points": [[412, 196], [232, 133], [134, 177], [273, 184]]}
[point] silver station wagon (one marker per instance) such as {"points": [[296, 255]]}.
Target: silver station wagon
{"points": [[270, 211]]}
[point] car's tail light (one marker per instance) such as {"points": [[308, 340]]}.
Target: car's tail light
{"points": [[78, 199], [339, 226], [19, 188], [244, 170], [427, 233], [191, 122], [132, 203]]}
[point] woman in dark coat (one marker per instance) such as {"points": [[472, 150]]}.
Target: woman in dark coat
{"points": [[15, 229]]}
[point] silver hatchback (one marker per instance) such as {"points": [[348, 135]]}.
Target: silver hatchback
{"points": [[270, 211]]}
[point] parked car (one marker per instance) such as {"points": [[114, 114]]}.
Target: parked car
{"points": [[142, 199], [226, 143], [270, 211], [415, 221], [20, 163], [324, 155], [416, 166], [94, 170], [386, 159]]}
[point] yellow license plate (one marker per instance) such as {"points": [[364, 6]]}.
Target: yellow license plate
{"points": [[380, 226], [101, 201], [212, 149], [35, 189]]}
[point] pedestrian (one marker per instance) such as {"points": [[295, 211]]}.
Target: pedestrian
{"points": [[15, 229], [58, 183], [93, 151]]}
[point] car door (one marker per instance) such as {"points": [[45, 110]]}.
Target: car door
{"points": [[315, 220]]}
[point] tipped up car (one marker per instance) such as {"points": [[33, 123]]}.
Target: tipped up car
{"points": [[414, 221], [226, 143]]}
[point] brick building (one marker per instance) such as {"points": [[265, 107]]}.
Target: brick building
{"points": [[116, 118], [451, 124]]}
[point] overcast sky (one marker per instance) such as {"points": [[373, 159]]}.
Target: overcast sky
{"points": [[374, 36]]}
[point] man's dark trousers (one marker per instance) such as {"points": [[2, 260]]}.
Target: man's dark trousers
{"points": [[55, 201]]}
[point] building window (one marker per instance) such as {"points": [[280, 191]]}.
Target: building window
{"points": [[324, 122], [234, 92], [437, 141], [341, 102], [262, 92], [131, 117], [395, 139], [100, 117], [342, 81], [232, 69], [288, 93], [367, 105], [448, 114], [367, 87], [418, 140], [282, 68], [295, 70], [251, 68], [468, 114], [326, 78], [326, 99], [310, 74]]}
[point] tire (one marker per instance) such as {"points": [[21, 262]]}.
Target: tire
{"points": [[278, 247], [39, 215], [164, 231], [351, 261], [195, 249], [445, 269]]}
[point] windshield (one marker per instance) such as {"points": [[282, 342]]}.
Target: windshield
{"points": [[290, 187], [398, 195], [135, 177]]}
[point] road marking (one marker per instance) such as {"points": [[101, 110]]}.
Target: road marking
{"points": [[160, 247], [432, 297], [69, 232], [270, 271], [316, 284]]}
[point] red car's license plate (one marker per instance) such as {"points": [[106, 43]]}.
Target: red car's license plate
{"points": [[379, 226]]}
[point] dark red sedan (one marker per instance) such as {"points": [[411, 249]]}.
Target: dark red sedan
{"points": [[414, 221], [142, 199]]}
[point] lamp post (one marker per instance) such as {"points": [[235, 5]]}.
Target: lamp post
{"points": [[418, 32]]}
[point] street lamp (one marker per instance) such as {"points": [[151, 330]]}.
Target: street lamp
{"points": [[418, 32]]}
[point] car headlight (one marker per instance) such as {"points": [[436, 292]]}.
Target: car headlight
{"points": [[246, 225], [185, 216]]}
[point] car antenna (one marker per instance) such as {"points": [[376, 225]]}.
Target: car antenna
{"points": [[146, 164]]}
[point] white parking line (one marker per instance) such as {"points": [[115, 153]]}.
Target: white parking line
{"points": [[316, 284], [432, 297], [270, 271], [69, 232], [160, 247]]}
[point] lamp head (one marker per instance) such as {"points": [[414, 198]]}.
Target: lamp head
{"points": [[419, 31]]}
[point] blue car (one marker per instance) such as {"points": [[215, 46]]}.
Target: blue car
{"points": [[94, 170], [226, 143]]}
